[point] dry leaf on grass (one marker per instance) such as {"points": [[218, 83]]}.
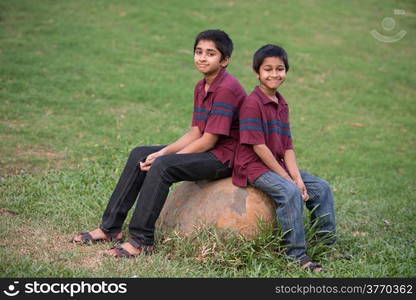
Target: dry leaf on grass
{"points": [[360, 233]]}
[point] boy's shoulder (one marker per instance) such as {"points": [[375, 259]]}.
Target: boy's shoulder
{"points": [[199, 84], [226, 82], [253, 100], [230, 83], [229, 79]]}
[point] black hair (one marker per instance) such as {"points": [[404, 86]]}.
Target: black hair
{"points": [[221, 40], [269, 51]]}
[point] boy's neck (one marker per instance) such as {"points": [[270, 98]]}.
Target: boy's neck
{"points": [[269, 93], [209, 78]]}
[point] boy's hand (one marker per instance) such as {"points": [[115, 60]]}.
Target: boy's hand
{"points": [[147, 164], [301, 185]]}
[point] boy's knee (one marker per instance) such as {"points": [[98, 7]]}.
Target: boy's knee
{"points": [[293, 191], [139, 152], [324, 186], [166, 167], [135, 152], [161, 164]]}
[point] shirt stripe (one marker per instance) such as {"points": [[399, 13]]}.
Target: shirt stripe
{"points": [[251, 128], [250, 120], [271, 122], [268, 130], [225, 105], [279, 131], [278, 123], [222, 113], [200, 109], [201, 117]]}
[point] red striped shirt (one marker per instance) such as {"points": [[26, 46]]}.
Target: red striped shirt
{"points": [[262, 121], [216, 112]]}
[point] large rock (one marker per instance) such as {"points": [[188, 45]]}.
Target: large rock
{"points": [[218, 203]]}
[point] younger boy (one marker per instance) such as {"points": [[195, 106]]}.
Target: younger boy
{"points": [[265, 158], [205, 152]]}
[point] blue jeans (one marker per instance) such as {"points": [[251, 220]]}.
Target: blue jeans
{"points": [[289, 210]]}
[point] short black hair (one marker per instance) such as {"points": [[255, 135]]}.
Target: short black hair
{"points": [[221, 40], [269, 51]]}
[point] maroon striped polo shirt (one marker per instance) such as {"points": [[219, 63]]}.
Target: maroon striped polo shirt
{"points": [[216, 112], [262, 121]]}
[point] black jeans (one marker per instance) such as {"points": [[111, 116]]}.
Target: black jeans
{"points": [[152, 187]]}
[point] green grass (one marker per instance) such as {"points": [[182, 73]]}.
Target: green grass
{"points": [[82, 82]]}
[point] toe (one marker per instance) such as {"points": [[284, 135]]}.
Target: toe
{"points": [[308, 266], [110, 252]]}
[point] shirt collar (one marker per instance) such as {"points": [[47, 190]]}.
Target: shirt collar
{"points": [[266, 99], [217, 80]]}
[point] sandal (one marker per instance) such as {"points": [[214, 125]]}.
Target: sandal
{"points": [[313, 267], [120, 252], [86, 238]]}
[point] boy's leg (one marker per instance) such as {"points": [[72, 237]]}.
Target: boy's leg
{"points": [[126, 190], [166, 170], [321, 203], [289, 211]]}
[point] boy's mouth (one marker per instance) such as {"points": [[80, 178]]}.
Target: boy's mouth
{"points": [[274, 80]]}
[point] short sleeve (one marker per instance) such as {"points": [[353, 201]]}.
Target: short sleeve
{"points": [[288, 143], [251, 125], [199, 114], [223, 111]]}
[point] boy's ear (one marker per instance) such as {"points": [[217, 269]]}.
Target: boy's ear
{"points": [[225, 61], [257, 74]]}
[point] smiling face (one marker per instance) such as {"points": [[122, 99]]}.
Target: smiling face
{"points": [[272, 73], [207, 58]]}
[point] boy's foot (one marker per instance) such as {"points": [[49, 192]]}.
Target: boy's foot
{"points": [[129, 249], [307, 264], [97, 235], [314, 267]]}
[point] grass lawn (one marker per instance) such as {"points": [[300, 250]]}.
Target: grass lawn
{"points": [[83, 82]]}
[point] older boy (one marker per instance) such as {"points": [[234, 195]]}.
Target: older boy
{"points": [[265, 158], [205, 152]]}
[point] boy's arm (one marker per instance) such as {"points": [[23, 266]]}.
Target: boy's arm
{"points": [[270, 161], [206, 142], [290, 161], [189, 137]]}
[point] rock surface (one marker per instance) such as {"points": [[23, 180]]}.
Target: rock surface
{"points": [[218, 203]]}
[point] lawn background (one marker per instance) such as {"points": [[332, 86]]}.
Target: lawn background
{"points": [[83, 82]]}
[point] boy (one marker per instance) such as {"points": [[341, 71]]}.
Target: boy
{"points": [[265, 158], [205, 152]]}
